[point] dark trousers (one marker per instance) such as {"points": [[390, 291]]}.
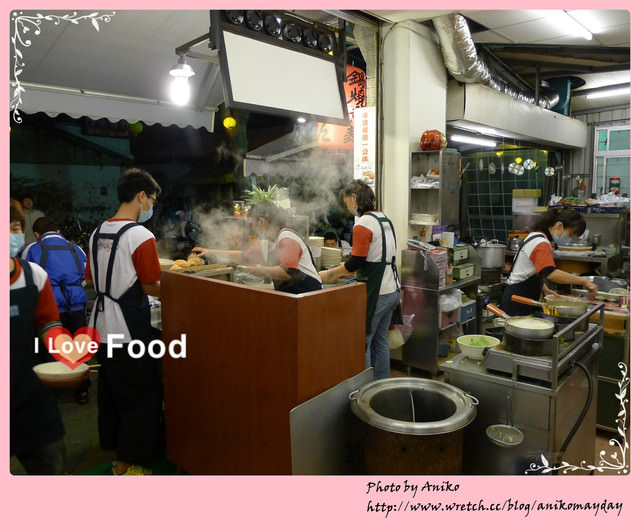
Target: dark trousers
{"points": [[129, 405], [47, 460], [73, 320]]}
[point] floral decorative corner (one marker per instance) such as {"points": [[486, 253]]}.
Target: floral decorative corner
{"points": [[617, 461], [26, 27]]}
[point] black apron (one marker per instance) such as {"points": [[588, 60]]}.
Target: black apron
{"points": [[299, 282], [530, 288], [133, 302], [35, 418], [44, 255], [129, 389], [371, 273]]}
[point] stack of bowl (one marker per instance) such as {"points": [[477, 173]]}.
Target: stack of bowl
{"points": [[331, 257]]}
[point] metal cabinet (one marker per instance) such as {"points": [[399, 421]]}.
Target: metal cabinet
{"points": [[615, 350], [421, 291], [434, 188]]}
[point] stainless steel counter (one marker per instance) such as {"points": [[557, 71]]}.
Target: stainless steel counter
{"points": [[545, 414]]}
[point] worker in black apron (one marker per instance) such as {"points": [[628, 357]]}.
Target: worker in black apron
{"points": [[299, 281], [359, 200], [289, 272], [531, 287], [36, 428], [129, 388], [129, 392], [534, 263]]}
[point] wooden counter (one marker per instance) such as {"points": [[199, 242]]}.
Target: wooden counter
{"points": [[252, 356]]}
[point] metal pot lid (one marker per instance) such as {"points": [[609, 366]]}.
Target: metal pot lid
{"points": [[460, 407]]}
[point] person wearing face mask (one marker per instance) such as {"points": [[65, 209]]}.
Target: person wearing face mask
{"points": [[35, 426], [373, 257], [533, 263], [124, 268], [287, 260]]}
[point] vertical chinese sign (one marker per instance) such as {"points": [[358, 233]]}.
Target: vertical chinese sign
{"points": [[341, 137], [364, 148]]}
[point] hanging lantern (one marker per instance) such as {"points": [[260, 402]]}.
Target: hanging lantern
{"points": [[433, 140], [229, 122]]}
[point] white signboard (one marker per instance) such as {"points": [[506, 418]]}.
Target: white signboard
{"points": [[364, 145]]}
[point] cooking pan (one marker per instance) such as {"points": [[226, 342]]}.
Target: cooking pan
{"points": [[524, 326], [557, 306]]}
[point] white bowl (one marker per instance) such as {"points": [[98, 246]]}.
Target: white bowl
{"points": [[59, 372], [473, 345]]}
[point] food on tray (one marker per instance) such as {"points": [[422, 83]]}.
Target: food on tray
{"points": [[192, 262]]}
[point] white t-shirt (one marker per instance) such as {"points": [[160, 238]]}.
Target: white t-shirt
{"points": [[367, 241], [294, 254], [534, 256], [136, 259]]}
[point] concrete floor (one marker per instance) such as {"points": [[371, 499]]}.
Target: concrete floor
{"points": [[84, 454]]}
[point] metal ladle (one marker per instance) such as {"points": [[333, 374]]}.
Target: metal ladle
{"points": [[505, 435]]}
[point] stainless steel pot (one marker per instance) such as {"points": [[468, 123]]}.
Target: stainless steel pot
{"points": [[524, 326], [558, 306], [515, 243], [491, 254]]}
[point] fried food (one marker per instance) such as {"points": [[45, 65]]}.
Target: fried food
{"points": [[191, 262], [179, 264], [195, 261]]}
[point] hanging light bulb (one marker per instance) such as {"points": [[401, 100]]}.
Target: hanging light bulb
{"points": [[180, 91]]}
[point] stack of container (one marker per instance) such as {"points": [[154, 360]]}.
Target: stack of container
{"points": [[458, 258], [441, 259]]}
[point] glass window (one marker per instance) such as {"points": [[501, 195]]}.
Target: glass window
{"points": [[603, 137], [620, 140], [612, 158]]}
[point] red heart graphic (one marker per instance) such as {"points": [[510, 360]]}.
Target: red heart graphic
{"points": [[72, 351]]}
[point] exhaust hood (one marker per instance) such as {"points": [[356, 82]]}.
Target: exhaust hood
{"points": [[481, 109]]}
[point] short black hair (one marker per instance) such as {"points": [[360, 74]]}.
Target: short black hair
{"points": [[570, 219], [134, 180], [45, 224], [331, 235]]}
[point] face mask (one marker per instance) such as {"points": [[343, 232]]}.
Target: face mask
{"points": [[16, 241], [146, 215], [356, 211], [563, 240], [262, 236]]}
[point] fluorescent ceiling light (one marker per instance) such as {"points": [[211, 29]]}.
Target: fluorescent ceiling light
{"points": [[473, 140], [610, 92]]}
